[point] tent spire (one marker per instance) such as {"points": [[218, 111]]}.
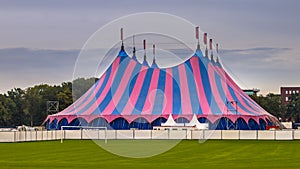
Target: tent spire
{"points": [[122, 47], [133, 41], [197, 37], [211, 51], [217, 50], [154, 62], [145, 58], [205, 43]]}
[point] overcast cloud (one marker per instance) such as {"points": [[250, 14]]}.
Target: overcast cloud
{"points": [[40, 40]]}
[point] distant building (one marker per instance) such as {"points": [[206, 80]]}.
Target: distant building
{"points": [[286, 92], [251, 92]]}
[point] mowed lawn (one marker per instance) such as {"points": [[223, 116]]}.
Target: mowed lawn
{"points": [[85, 154]]}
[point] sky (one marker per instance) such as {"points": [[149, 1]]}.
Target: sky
{"points": [[259, 39]]}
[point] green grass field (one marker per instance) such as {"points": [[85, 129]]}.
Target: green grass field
{"points": [[85, 154]]}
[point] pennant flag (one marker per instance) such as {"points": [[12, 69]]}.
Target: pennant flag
{"points": [[205, 38], [121, 34], [197, 32]]}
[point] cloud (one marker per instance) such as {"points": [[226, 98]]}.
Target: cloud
{"points": [[259, 49], [267, 68], [22, 67], [260, 57]]}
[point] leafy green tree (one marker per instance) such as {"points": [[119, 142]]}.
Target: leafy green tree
{"points": [[35, 104], [6, 107], [81, 85], [293, 108], [272, 103], [64, 96], [18, 116], [29, 106]]}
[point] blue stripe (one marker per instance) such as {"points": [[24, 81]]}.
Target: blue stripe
{"points": [[124, 58], [203, 62], [222, 94], [188, 63], [119, 75], [133, 81], [104, 103], [176, 92], [247, 103], [205, 81], [248, 99], [236, 99], [114, 86], [143, 93], [122, 53], [103, 86], [198, 53], [192, 89], [159, 98], [108, 72], [125, 96], [76, 104]]}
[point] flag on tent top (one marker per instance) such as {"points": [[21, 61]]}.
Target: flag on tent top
{"points": [[197, 32], [205, 38]]}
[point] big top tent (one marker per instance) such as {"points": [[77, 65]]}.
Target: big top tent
{"points": [[133, 94]]}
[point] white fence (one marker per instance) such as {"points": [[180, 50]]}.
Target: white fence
{"points": [[22, 136]]}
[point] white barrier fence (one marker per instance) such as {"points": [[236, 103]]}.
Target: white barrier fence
{"points": [[22, 136]]}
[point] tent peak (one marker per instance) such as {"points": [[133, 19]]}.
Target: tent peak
{"points": [[122, 53], [198, 53]]}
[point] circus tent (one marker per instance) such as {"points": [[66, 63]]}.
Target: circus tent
{"points": [[131, 94]]}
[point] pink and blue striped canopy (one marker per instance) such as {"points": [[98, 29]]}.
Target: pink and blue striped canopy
{"points": [[131, 90]]}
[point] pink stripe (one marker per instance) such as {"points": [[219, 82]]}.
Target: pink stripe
{"points": [[215, 92], [168, 99], [228, 95], [120, 90], [93, 90], [91, 97], [241, 102], [78, 101], [150, 99], [92, 108], [238, 95], [233, 85], [255, 106], [135, 92], [199, 86], [239, 92], [184, 91], [237, 88]]}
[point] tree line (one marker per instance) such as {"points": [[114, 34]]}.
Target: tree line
{"points": [[274, 104], [29, 106]]}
